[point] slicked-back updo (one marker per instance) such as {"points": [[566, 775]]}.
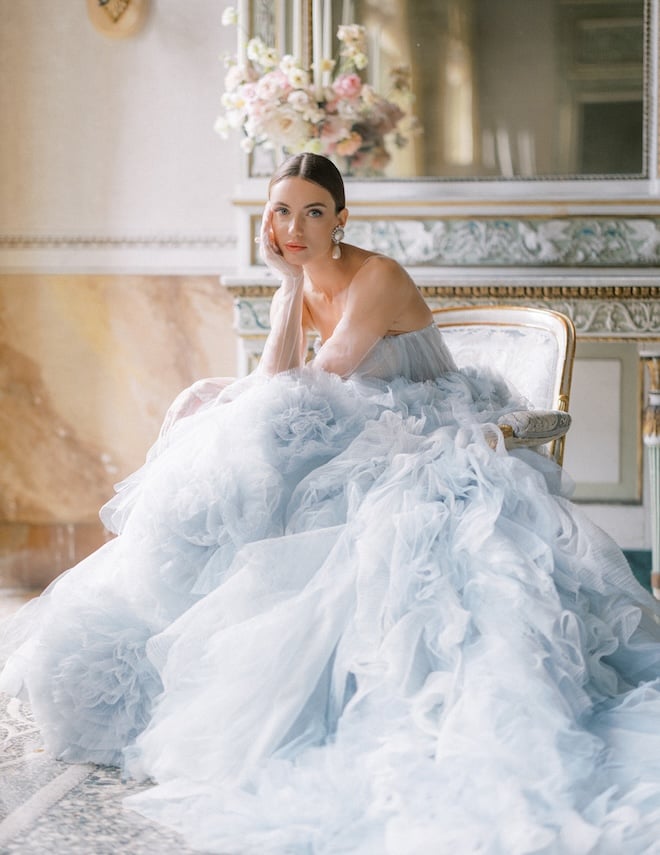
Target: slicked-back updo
{"points": [[316, 168]]}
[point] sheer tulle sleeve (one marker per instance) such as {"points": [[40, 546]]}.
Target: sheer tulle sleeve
{"points": [[286, 348], [346, 348], [191, 399], [285, 345], [372, 307]]}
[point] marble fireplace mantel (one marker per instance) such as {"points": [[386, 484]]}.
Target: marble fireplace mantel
{"points": [[603, 305]]}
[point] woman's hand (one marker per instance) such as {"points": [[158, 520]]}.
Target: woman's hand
{"points": [[285, 343], [270, 252], [188, 402]]}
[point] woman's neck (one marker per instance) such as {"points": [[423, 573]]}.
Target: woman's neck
{"points": [[328, 277]]}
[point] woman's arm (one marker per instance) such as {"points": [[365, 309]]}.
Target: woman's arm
{"points": [[189, 401], [377, 298], [285, 346]]}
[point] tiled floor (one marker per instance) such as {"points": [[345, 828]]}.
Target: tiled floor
{"points": [[52, 807]]}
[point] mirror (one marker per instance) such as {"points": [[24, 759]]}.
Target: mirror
{"points": [[503, 89], [514, 88]]}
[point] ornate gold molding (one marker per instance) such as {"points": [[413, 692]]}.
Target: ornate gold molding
{"points": [[502, 293], [543, 292]]}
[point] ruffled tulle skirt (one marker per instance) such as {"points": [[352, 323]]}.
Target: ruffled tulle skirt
{"points": [[336, 620]]}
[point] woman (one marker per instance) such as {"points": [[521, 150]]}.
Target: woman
{"points": [[335, 620]]}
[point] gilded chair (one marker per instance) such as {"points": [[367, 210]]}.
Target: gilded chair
{"points": [[534, 350]]}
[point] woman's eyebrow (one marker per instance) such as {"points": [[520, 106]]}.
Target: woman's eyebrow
{"points": [[311, 205]]}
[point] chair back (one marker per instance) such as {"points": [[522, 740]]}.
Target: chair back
{"points": [[532, 348]]}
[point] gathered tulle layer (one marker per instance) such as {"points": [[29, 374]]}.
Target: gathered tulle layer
{"points": [[336, 620]]}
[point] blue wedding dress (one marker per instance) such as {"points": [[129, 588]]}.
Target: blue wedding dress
{"points": [[335, 620]]}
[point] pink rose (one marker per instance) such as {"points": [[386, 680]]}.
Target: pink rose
{"points": [[347, 85]]}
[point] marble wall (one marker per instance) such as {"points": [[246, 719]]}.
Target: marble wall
{"points": [[88, 366], [116, 221]]}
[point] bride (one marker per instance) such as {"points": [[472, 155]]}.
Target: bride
{"points": [[334, 618]]}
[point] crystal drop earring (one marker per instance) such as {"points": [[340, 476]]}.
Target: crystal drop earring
{"points": [[337, 238]]}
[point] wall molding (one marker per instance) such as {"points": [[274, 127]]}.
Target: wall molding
{"points": [[159, 253], [31, 241]]}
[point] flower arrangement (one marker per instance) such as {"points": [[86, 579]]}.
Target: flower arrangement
{"points": [[336, 113]]}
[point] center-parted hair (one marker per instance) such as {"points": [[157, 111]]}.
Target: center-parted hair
{"points": [[316, 168]]}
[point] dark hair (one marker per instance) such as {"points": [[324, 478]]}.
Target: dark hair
{"points": [[316, 168]]}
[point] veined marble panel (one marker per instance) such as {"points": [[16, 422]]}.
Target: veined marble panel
{"points": [[88, 367]]}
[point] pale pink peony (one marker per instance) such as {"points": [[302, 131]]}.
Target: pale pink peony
{"points": [[347, 86], [273, 85]]}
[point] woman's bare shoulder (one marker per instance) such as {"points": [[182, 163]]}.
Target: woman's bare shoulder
{"points": [[382, 271]]}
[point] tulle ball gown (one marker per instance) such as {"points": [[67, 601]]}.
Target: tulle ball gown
{"points": [[336, 620]]}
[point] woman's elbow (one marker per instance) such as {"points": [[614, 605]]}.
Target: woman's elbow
{"points": [[330, 365]]}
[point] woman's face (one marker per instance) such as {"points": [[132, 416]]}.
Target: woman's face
{"points": [[303, 217]]}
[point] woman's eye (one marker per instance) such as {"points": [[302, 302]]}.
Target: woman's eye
{"points": [[281, 211], [316, 212]]}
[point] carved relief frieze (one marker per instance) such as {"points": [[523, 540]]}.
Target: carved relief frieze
{"points": [[507, 241], [601, 311], [619, 318], [614, 312], [595, 318]]}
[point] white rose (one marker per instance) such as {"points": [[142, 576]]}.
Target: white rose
{"points": [[288, 62], [298, 77], [235, 118], [222, 127], [229, 16], [255, 49], [269, 58]]}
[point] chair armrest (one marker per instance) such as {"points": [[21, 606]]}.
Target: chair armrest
{"points": [[533, 427]]}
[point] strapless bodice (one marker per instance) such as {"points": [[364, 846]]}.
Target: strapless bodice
{"points": [[418, 355]]}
